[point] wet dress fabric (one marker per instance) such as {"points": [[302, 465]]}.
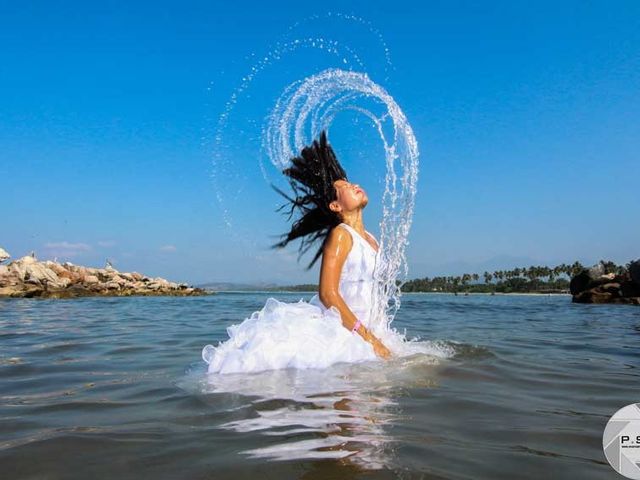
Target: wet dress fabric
{"points": [[303, 334]]}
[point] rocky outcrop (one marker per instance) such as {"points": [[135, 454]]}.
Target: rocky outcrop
{"points": [[28, 277], [593, 285]]}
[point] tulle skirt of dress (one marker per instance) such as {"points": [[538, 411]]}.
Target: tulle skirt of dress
{"points": [[287, 335]]}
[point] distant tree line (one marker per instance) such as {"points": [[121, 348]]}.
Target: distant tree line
{"points": [[533, 279], [304, 287]]}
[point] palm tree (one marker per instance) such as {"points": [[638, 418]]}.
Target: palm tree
{"points": [[576, 268], [546, 272]]}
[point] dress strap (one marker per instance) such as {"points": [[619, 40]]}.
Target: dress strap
{"points": [[371, 235]]}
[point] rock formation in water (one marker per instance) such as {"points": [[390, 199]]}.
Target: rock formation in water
{"points": [[593, 285], [28, 277]]}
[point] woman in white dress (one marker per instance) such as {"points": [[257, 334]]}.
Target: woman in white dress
{"points": [[334, 325]]}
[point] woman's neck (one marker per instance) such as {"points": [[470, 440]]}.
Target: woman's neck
{"points": [[354, 220]]}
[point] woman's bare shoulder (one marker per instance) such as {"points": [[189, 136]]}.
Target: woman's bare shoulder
{"points": [[338, 239]]}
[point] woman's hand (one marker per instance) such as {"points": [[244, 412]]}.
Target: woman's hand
{"points": [[378, 346], [381, 350]]}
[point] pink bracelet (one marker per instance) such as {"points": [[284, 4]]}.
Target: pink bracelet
{"points": [[356, 326]]}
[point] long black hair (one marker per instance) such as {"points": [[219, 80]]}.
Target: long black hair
{"points": [[311, 177]]}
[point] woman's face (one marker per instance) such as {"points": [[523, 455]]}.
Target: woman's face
{"points": [[350, 196]]}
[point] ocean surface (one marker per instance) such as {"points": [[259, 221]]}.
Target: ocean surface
{"points": [[519, 387]]}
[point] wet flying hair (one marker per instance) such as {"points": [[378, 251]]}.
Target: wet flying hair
{"points": [[311, 177]]}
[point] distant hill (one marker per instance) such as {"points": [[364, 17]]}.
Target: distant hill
{"points": [[255, 287], [225, 286]]}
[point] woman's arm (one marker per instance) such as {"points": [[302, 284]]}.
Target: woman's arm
{"points": [[335, 251]]}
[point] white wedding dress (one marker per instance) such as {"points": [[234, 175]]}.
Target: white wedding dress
{"points": [[303, 334]]}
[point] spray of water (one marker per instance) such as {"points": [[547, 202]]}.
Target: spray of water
{"points": [[307, 107], [317, 34]]}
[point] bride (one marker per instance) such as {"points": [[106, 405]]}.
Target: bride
{"points": [[334, 325]]}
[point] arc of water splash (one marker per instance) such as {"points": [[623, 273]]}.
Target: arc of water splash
{"points": [[274, 54], [350, 18], [344, 53], [307, 107]]}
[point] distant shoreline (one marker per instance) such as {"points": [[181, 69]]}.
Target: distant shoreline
{"points": [[405, 293], [487, 293]]}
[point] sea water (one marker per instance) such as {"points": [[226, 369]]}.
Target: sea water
{"points": [[518, 387]]}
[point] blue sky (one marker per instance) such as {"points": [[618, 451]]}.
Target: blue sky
{"points": [[526, 113]]}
